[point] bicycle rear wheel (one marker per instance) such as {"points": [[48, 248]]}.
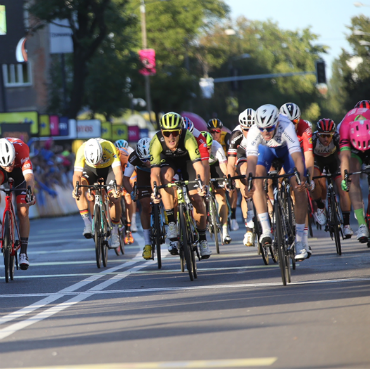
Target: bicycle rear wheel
{"points": [[7, 246], [184, 240], [97, 230], [157, 233], [335, 223], [280, 243]]}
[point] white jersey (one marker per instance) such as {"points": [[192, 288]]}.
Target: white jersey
{"points": [[217, 153], [130, 150], [285, 136]]}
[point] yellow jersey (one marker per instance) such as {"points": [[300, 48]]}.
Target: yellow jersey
{"points": [[111, 156]]}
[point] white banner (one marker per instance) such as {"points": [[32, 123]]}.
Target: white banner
{"points": [[60, 37], [87, 129]]}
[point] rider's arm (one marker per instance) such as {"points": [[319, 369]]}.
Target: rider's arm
{"points": [[155, 175], [30, 181], [223, 166], [127, 184], [298, 162], [309, 161], [118, 174], [252, 163], [345, 156], [76, 177]]}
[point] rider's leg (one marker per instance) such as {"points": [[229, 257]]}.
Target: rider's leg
{"points": [[222, 211], [83, 204], [355, 192]]}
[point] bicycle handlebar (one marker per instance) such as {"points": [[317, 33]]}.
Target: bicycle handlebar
{"points": [[97, 186]]}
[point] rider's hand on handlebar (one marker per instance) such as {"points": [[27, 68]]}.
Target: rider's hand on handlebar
{"points": [[301, 187], [310, 186], [154, 199], [31, 200], [203, 191], [78, 194], [344, 185], [249, 193]]}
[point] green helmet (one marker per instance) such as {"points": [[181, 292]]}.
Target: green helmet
{"points": [[171, 121], [208, 137]]}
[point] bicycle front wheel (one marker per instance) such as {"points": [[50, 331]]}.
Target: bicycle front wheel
{"points": [[214, 226], [280, 243], [97, 227], [7, 246], [184, 240], [335, 223], [157, 233]]}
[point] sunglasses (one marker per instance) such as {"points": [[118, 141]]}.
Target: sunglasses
{"points": [[325, 135], [268, 129], [215, 131], [295, 121], [175, 133]]}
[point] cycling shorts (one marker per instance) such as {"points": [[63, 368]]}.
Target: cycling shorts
{"points": [[216, 173], [183, 166], [92, 175], [143, 179], [363, 157], [267, 156], [19, 182], [331, 162]]}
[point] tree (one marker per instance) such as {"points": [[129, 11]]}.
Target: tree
{"points": [[89, 22]]}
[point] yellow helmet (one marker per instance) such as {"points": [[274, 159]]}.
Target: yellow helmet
{"points": [[214, 123], [171, 121]]}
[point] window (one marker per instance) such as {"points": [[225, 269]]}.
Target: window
{"points": [[16, 75]]}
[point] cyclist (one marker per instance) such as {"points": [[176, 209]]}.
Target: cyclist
{"points": [[326, 149], [273, 137], [355, 151], [236, 156], [218, 168], [123, 156], [139, 160], [215, 126], [202, 145], [95, 159], [15, 163], [125, 149], [304, 133], [174, 149]]}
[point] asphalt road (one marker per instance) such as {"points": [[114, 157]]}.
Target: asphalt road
{"points": [[65, 312]]}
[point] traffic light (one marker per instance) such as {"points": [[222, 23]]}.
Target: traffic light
{"points": [[320, 72]]}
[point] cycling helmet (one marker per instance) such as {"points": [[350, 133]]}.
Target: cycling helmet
{"points": [[360, 134], [143, 148], [266, 116], [214, 123], [7, 153], [93, 152], [121, 144], [247, 118], [208, 137], [326, 125], [188, 124], [291, 110], [171, 121], [363, 104]]}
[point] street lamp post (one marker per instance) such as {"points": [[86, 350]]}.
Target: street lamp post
{"points": [[145, 46]]}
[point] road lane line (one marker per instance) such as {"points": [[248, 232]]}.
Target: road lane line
{"points": [[200, 364]]}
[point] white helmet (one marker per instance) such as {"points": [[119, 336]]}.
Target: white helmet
{"points": [[267, 115], [93, 152], [247, 118], [143, 148], [7, 153], [291, 110]]}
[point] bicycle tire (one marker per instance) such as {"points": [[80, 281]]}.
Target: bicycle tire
{"points": [[311, 221], [184, 240], [258, 231], [104, 242], [192, 253], [157, 233], [12, 265], [291, 223], [182, 260], [335, 222], [280, 243], [212, 211], [7, 246], [97, 231]]}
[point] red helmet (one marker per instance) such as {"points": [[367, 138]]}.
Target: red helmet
{"points": [[363, 104], [326, 125], [360, 135]]}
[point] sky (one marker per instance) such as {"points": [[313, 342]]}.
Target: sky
{"points": [[327, 18]]}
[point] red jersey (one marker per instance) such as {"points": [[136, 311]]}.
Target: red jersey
{"points": [[22, 155], [304, 134], [202, 144], [356, 114]]}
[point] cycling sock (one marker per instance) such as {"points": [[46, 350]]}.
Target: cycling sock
{"points": [[265, 222], [170, 215], [224, 229], [320, 203], [345, 218], [147, 236], [24, 244], [249, 219], [85, 214], [233, 213], [249, 204], [360, 216], [305, 236], [299, 230], [202, 234]]}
